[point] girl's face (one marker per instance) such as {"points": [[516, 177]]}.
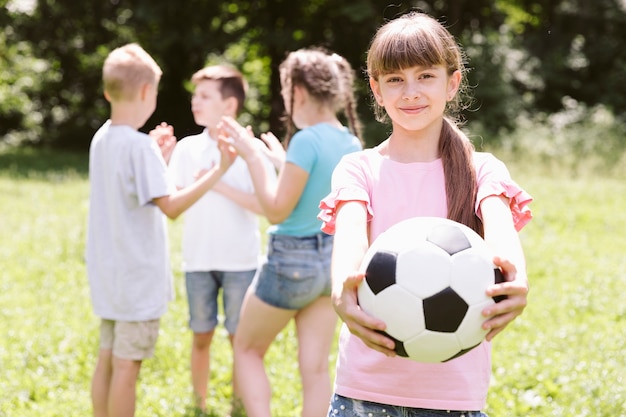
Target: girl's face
{"points": [[416, 97]]}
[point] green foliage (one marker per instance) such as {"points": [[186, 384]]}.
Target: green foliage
{"points": [[563, 356], [525, 56], [21, 74], [579, 140]]}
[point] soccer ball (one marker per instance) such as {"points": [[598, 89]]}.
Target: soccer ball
{"points": [[425, 277]]}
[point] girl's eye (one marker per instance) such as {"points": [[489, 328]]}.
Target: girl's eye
{"points": [[426, 76], [394, 79]]}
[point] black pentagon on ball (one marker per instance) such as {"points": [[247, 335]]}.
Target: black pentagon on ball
{"points": [[498, 278], [381, 271], [449, 238], [444, 311]]}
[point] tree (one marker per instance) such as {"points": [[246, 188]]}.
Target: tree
{"points": [[525, 56]]}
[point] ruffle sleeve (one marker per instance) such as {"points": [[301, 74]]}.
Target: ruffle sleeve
{"points": [[518, 200], [329, 205]]}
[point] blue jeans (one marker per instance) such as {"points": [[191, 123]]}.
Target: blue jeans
{"points": [[202, 294], [347, 407], [297, 271]]}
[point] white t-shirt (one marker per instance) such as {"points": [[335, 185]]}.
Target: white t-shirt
{"points": [[218, 234], [127, 245]]}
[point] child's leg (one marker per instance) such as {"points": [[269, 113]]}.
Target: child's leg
{"points": [[258, 326], [133, 342], [202, 293], [200, 366], [315, 326], [101, 383], [122, 393], [235, 284]]}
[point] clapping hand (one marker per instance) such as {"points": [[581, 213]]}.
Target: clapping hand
{"points": [[163, 134]]}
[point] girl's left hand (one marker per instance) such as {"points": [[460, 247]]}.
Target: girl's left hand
{"points": [[274, 150], [515, 288]]}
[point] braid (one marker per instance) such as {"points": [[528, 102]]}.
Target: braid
{"points": [[346, 78], [460, 176], [288, 120], [353, 121]]}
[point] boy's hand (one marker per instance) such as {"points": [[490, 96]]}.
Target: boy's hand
{"points": [[163, 134], [228, 153]]}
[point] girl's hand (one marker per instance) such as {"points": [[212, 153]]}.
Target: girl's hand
{"points": [[274, 151], [515, 289], [240, 138], [163, 134], [358, 321]]}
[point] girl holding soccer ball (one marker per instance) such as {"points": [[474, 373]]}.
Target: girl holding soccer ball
{"points": [[427, 167]]}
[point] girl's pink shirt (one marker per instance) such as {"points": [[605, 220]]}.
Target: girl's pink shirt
{"points": [[393, 192]]}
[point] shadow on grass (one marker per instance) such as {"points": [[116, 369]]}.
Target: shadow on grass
{"points": [[43, 163]]}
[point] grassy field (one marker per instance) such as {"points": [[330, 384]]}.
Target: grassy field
{"points": [[564, 356]]}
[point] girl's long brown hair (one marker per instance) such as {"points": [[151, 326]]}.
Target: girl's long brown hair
{"points": [[329, 79], [416, 39]]}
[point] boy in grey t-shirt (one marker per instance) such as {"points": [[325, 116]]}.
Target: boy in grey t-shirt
{"points": [[127, 245]]}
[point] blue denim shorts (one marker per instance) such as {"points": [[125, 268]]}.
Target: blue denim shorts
{"points": [[296, 272], [202, 295], [347, 407]]}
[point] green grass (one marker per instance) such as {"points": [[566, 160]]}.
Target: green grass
{"points": [[563, 356]]}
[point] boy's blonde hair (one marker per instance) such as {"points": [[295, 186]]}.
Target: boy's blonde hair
{"points": [[232, 83], [126, 70]]}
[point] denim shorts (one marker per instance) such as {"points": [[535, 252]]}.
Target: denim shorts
{"points": [[296, 272], [202, 295], [347, 407]]}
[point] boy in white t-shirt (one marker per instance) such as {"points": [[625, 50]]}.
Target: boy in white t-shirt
{"points": [[127, 245], [221, 237]]}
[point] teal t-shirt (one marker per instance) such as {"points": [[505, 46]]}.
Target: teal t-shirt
{"points": [[316, 149]]}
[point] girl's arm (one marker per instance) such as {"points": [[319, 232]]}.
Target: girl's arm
{"points": [[501, 236], [280, 200], [175, 204], [277, 199], [349, 247]]}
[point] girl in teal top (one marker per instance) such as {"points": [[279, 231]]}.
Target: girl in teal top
{"points": [[294, 281]]}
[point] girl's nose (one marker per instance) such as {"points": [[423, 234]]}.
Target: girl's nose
{"points": [[411, 91]]}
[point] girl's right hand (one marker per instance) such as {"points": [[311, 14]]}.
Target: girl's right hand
{"points": [[239, 137], [361, 324]]}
